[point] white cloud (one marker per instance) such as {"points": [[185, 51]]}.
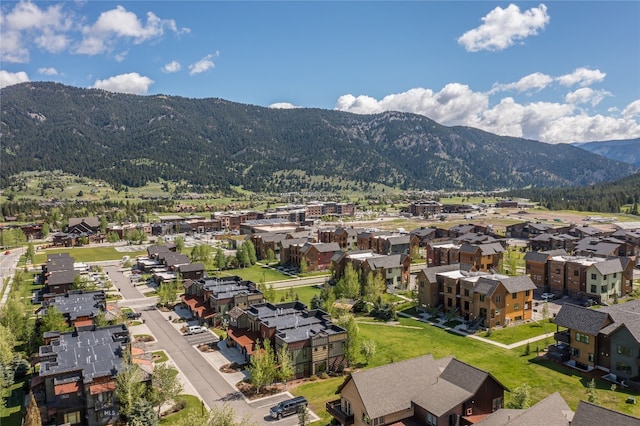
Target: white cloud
{"points": [[133, 83], [202, 65], [532, 82], [553, 122], [25, 22], [582, 77], [632, 110], [10, 78], [48, 71], [117, 24], [121, 56], [283, 105], [173, 66], [502, 28], [586, 95]]}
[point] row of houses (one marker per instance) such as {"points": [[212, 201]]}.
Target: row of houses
{"points": [[484, 299], [581, 277]]}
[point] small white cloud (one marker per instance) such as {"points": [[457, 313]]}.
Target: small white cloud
{"points": [[48, 71], [173, 66], [532, 82], [133, 83], [582, 77], [121, 56], [586, 95], [283, 105], [119, 23], [632, 110], [501, 28], [202, 65], [10, 78]]}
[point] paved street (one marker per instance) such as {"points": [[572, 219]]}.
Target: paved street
{"points": [[200, 370]]}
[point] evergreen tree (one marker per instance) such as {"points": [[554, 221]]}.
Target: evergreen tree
{"points": [[142, 414], [32, 414]]}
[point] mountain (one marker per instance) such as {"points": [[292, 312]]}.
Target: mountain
{"points": [[216, 145], [627, 151]]}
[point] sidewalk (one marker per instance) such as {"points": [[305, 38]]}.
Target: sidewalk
{"points": [[459, 330]]}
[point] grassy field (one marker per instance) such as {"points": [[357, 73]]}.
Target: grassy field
{"points": [[257, 274], [520, 333], [194, 405], [412, 338], [89, 254], [304, 294]]}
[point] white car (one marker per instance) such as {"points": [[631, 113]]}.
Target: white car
{"points": [[196, 329], [547, 296]]}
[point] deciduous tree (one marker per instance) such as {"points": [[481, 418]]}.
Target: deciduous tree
{"points": [[165, 385]]}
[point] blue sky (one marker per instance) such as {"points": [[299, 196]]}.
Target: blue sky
{"points": [[557, 71]]}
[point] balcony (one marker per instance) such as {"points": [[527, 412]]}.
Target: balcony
{"points": [[335, 409], [562, 336]]}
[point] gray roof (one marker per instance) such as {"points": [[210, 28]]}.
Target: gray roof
{"points": [[399, 239], [191, 267], [534, 256], [96, 352], [608, 266], [385, 262], [588, 414], [293, 241], [62, 277], [78, 304], [321, 247], [624, 314], [551, 411], [584, 320], [434, 270], [519, 283], [435, 385]]}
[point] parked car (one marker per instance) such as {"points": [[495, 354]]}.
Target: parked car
{"points": [[547, 296], [288, 407], [133, 315], [7, 252], [196, 329]]}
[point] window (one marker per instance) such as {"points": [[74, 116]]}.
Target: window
{"points": [[514, 295], [449, 289], [557, 270], [346, 407], [516, 307], [623, 368], [615, 275], [591, 357], [576, 272], [624, 350], [593, 288], [431, 419], [72, 418], [498, 311], [605, 288], [527, 293], [482, 297], [466, 292], [575, 352], [498, 299], [582, 338], [593, 276]]}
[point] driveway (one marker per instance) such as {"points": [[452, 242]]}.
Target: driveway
{"points": [[200, 369]]}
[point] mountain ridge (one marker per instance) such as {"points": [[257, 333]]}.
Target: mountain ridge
{"points": [[627, 151], [217, 144]]}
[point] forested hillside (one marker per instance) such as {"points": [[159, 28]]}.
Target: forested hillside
{"points": [[626, 150], [607, 197], [213, 144]]}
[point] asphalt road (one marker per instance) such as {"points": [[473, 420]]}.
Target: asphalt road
{"points": [[207, 381]]}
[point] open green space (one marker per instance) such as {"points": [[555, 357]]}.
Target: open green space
{"points": [[512, 368], [11, 414], [257, 274], [302, 293], [89, 254], [521, 332], [159, 356]]}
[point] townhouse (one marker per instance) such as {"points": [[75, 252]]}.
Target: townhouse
{"points": [[315, 343], [481, 257], [78, 308], [347, 238], [210, 299]]}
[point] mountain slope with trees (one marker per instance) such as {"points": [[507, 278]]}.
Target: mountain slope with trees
{"points": [[213, 144], [627, 151]]}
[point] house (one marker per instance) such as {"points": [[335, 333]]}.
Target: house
{"points": [[77, 378], [394, 269], [425, 391], [58, 273], [316, 344], [482, 257], [83, 225], [551, 411], [263, 242], [289, 247], [210, 299], [192, 271], [528, 230], [597, 247], [424, 234], [425, 208], [365, 239], [316, 256], [430, 285], [582, 334], [500, 300], [588, 414], [604, 280], [442, 253], [347, 238], [536, 266], [78, 308]]}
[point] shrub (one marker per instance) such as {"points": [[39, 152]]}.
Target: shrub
{"points": [[313, 378], [324, 375]]}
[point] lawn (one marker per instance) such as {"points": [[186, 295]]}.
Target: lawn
{"points": [[519, 333], [89, 254], [11, 415], [304, 293], [413, 338], [194, 405], [257, 274]]}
